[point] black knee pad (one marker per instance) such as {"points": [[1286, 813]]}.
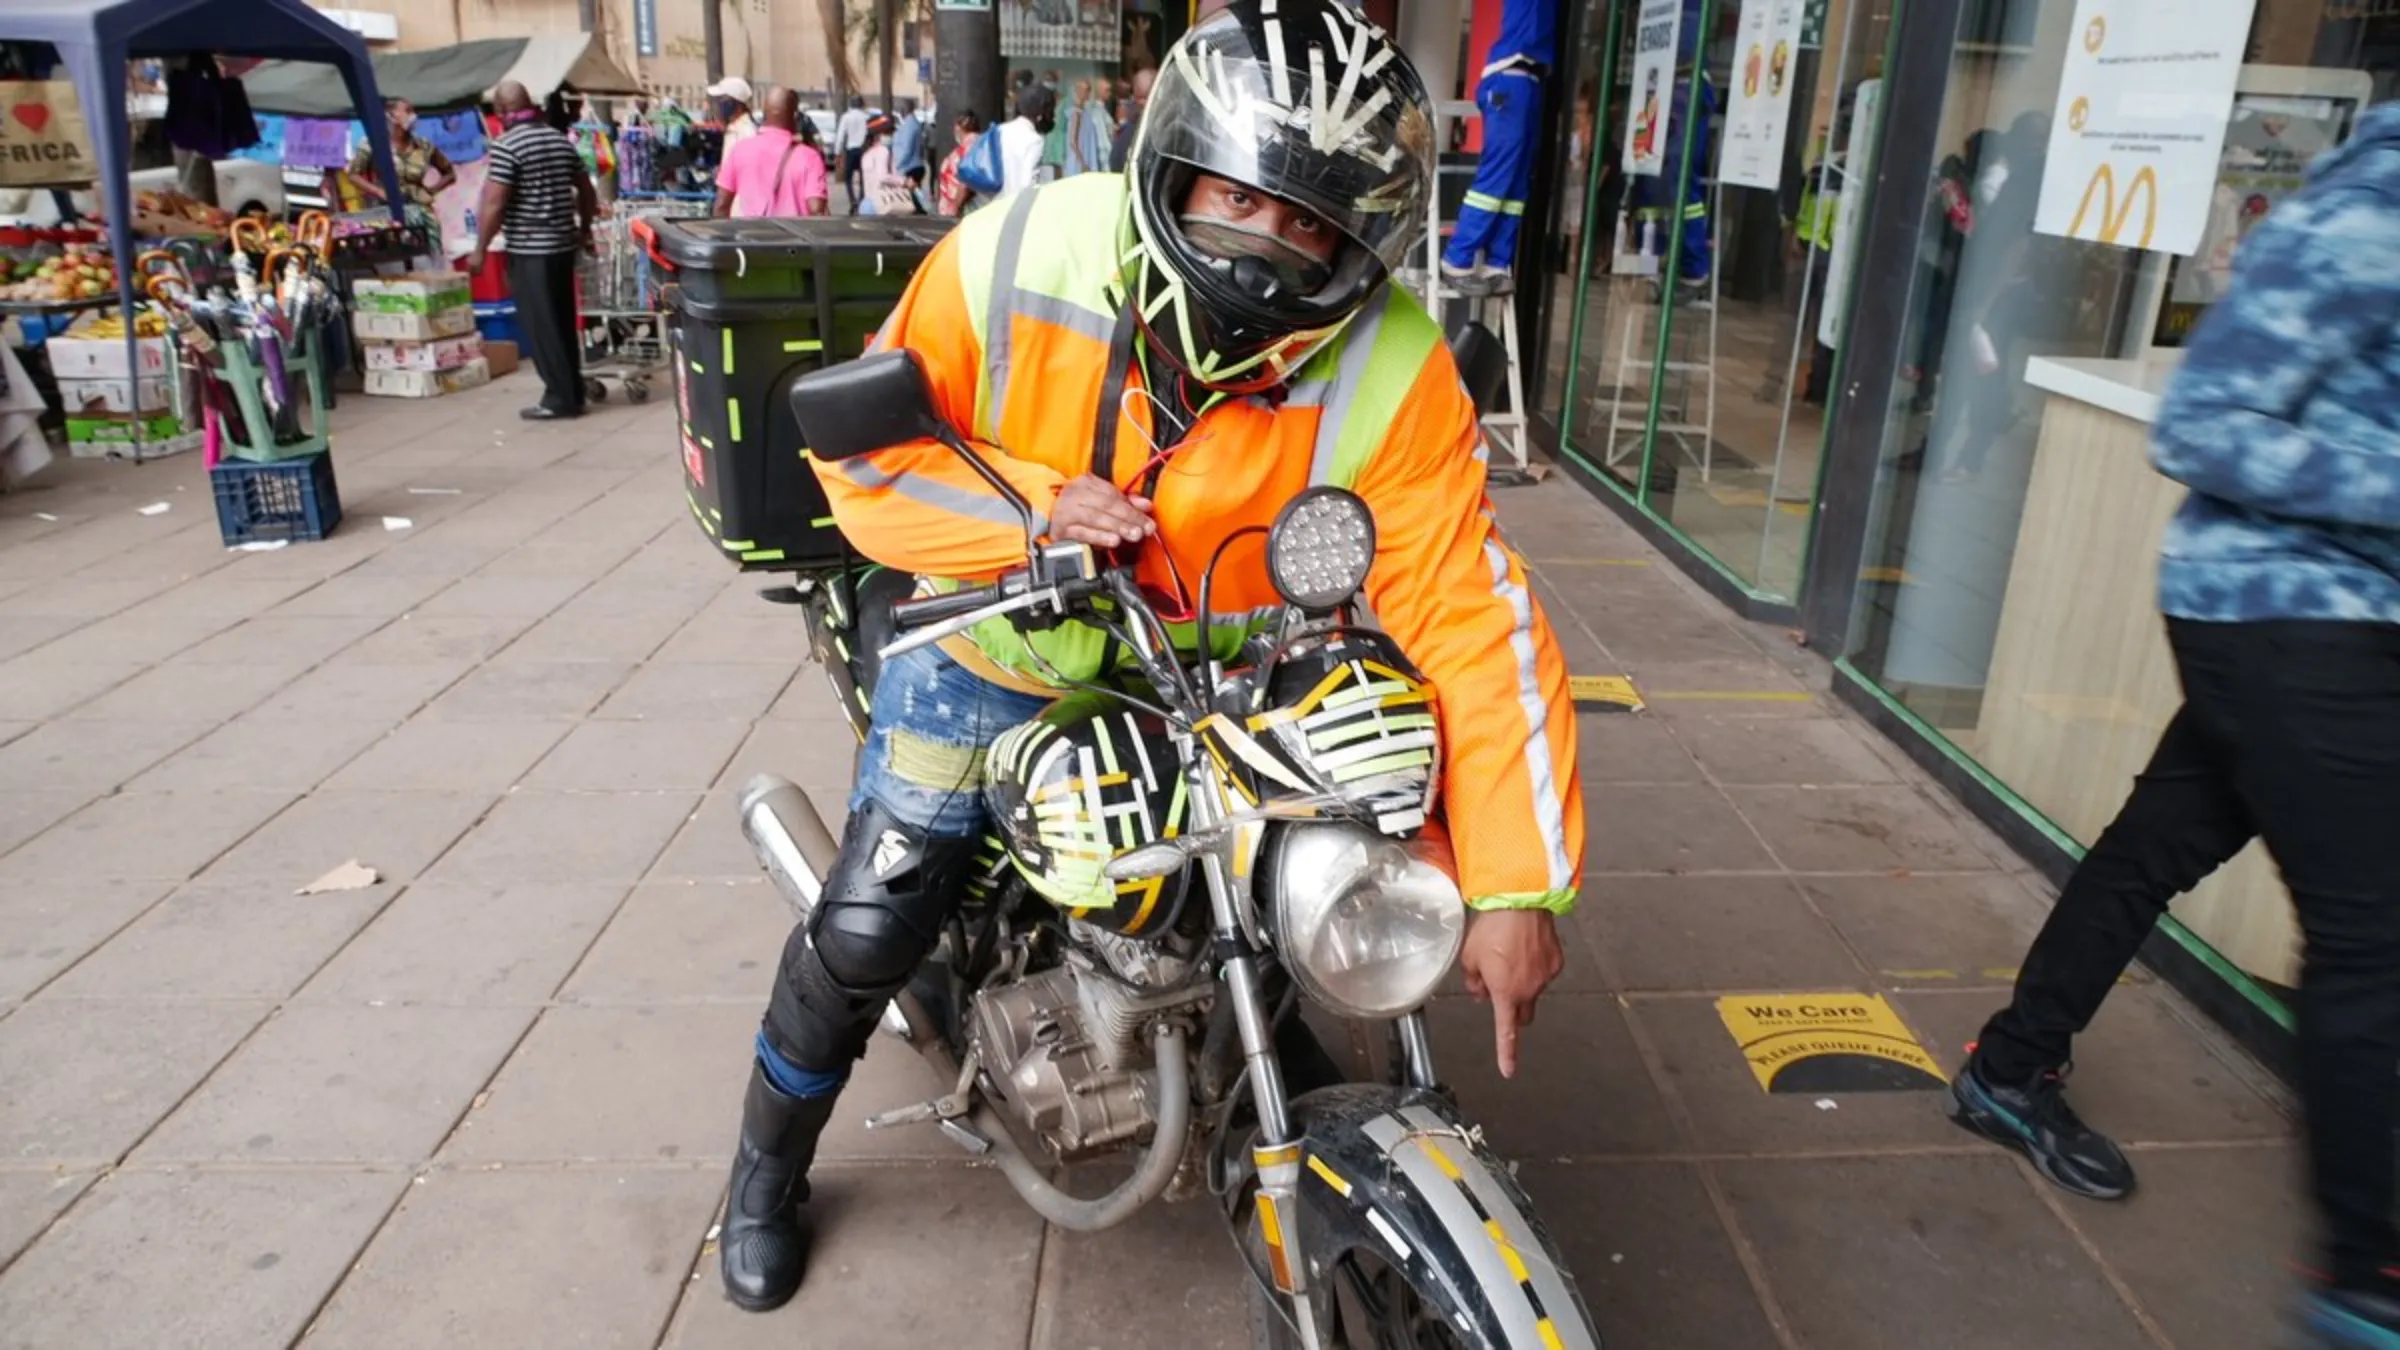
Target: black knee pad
{"points": [[882, 910]]}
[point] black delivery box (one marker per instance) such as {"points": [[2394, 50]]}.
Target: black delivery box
{"points": [[755, 304]]}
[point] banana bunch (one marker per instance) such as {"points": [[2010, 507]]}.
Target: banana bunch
{"points": [[113, 326]]}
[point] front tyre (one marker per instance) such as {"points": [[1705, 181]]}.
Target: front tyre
{"points": [[1370, 1305]]}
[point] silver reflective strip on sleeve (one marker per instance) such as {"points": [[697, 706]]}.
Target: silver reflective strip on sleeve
{"points": [[1549, 815], [973, 503]]}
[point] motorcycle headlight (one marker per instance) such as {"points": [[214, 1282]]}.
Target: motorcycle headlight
{"points": [[1320, 548], [1367, 925]]}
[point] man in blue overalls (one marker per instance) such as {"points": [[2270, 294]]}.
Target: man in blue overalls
{"points": [[1509, 97], [1653, 197]]}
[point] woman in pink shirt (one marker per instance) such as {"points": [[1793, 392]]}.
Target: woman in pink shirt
{"points": [[776, 172]]}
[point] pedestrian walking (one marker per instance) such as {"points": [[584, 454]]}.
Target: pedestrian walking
{"points": [[889, 192], [1120, 147], [2281, 589], [734, 100], [1022, 138], [950, 191], [850, 132], [777, 172], [536, 186]]}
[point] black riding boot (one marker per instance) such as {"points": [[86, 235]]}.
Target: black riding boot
{"points": [[763, 1245]]}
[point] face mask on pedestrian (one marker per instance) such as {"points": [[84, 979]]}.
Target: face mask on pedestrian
{"points": [[520, 116], [727, 110]]}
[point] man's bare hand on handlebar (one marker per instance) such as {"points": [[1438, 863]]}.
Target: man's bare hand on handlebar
{"points": [[1093, 511]]}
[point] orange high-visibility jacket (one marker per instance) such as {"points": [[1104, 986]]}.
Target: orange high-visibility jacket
{"points": [[1012, 315]]}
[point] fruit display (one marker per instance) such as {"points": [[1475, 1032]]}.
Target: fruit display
{"points": [[81, 272], [149, 323], [175, 206]]}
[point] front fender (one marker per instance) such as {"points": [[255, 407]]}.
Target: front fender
{"points": [[1394, 1171]]}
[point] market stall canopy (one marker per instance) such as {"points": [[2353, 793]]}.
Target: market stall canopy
{"points": [[446, 77], [95, 38]]}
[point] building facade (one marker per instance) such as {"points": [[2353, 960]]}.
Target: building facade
{"points": [[1829, 352]]}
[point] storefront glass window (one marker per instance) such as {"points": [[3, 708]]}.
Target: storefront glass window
{"points": [[1703, 336], [2007, 599]]}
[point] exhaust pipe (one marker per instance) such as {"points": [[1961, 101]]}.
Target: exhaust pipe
{"points": [[792, 844]]}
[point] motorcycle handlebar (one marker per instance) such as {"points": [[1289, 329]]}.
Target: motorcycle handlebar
{"points": [[932, 609]]}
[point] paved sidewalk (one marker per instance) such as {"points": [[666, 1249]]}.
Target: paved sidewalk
{"points": [[491, 1101]]}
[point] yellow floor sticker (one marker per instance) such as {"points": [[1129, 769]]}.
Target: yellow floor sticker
{"points": [[1825, 1043], [1603, 693]]}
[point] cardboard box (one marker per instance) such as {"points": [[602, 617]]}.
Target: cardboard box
{"points": [[104, 358], [108, 430], [173, 445], [116, 396], [372, 327], [411, 293], [442, 354], [501, 357], [428, 383]]}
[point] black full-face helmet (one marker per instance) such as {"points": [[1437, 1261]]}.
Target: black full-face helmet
{"points": [[1306, 101]]}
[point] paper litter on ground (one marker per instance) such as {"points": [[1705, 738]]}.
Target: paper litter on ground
{"points": [[43, 515], [434, 492], [397, 522], [350, 876], [260, 546], [157, 508]]}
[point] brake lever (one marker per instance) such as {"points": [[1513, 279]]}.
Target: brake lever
{"points": [[949, 628]]}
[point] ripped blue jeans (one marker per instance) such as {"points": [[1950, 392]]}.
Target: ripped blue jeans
{"points": [[932, 721]]}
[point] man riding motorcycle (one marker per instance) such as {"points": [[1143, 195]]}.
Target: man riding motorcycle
{"points": [[1158, 361]]}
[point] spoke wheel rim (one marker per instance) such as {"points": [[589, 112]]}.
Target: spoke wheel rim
{"points": [[1375, 1308]]}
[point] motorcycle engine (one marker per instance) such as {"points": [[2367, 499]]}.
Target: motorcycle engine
{"points": [[1067, 1049]]}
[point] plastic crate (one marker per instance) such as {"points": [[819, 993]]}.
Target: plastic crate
{"points": [[498, 322], [294, 500]]}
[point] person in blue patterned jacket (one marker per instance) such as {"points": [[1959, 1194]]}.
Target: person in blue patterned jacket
{"points": [[2280, 582]]}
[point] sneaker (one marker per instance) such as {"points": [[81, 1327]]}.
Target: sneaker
{"points": [[2349, 1320], [2035, 1120]]}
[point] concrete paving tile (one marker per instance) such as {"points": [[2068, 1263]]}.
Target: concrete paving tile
{"points": [[1701, 933], [582, 630], [2142, 1073], [1653, 1262], [898, 1252], [1858, 829], [1931, 931], [260, 752], [77, 598], [86, 1080], [348, 689], [2231, 1289], [167, 835], [283, 638], [122, 638], [25, 813], [397, 833], [531, 690], [30, 1198], [130, 1264], [812, 754], [21, 633], [710, 847], [1720, 687], [1087, 1301], [1954, 1252], [221, 594], [446, 942], [38, 690], [1667, 827], [92, 756], [738, 691], [1749, 750], [47, 926], [427, 754], [223, 941], [1631, 748], [808, 698], [681, 941], [181, 691], [639, 756], [423, 636], [639, 1084], [349, 595], [758, 633], [378, 1084], [535, 836], [1580, 1088], [508, 596], [1730, 1112]]}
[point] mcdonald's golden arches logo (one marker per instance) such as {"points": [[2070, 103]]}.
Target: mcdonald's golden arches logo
{"points": [[2095, 33], [2079, 113], [2115, 212]]}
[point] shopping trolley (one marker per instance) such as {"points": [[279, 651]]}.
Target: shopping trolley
{"points": [[623, 329]]}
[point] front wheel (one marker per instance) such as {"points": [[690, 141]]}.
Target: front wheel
{"points": [[1372, 1307]]}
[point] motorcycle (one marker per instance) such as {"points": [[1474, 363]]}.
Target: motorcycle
{"points": [[1293, 852]]}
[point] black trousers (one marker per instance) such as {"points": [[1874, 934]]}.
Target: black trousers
{"points": [[544, 287], [2289, 732]]}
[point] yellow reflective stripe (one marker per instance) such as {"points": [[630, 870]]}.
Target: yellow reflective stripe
{"points": [[1498, 206], [1375, 368], [728, 336]]}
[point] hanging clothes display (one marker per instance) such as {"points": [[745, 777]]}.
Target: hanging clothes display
{"points": [[595, 143], [207, 114], [637, 160]]}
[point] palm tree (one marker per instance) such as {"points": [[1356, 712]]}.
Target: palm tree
{"points": [[875, 26]]}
